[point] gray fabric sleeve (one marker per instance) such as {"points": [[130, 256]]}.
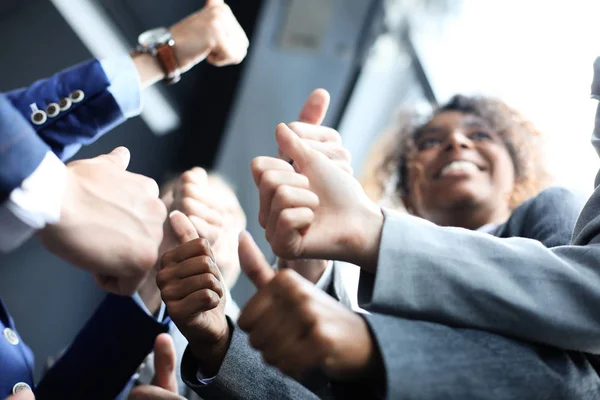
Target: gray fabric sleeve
{"points": [[243, 375], [429, 361], [511, 286]]}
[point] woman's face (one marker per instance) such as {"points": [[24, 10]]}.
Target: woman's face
{"points": [[459, 163]]}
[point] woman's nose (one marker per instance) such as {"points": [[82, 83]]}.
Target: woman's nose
{"points": [[458, 140]]}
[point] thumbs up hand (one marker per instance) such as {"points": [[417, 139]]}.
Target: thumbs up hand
{"points": [[320, 138], [164, 384], [110, 222], [328, 142], [299, 328], [313, 209], [193, 290]]}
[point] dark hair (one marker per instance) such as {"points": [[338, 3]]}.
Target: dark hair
{"points": [[523, 142]]}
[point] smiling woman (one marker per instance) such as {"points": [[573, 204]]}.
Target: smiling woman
{"points": [[468, 164]]}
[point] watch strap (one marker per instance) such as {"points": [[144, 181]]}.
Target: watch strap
{"points": [[166, 57]]}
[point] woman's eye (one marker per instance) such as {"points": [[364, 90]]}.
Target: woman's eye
{"points": [[480, 136], [428, 143]]}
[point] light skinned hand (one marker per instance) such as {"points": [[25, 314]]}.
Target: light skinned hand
{"points": [[299, 328], [215, 212], [193, 290], [164, 384], [315, 210], [24, 394], [213, 33], [111, 222], [327, 141]]}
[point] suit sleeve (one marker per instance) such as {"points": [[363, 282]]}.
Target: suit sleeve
{"points": [[82, 122], [513, 286], [21, 150], [105, 354], [244, 375]]}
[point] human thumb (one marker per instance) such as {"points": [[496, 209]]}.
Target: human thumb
{"points": [[165, 360], [315, 108], [253, 262], [292, 146], [119, 156], [24, 394], [183, 227]]}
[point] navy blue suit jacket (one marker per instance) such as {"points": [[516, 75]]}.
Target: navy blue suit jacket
{"points": [[118, 337]]}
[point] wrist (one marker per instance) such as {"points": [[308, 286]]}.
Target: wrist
{"points": [[362, 242], [148, 68], [210, 356], [311, 270], [150, 293]]}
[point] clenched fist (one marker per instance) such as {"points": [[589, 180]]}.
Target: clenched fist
{"points": [[111, 222]]}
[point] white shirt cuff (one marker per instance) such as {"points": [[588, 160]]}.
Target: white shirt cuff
{"points": [[125, 85], [161, 311], [34, 204]]}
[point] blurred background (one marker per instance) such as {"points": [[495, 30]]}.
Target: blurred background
{"points": [[373, 56]]}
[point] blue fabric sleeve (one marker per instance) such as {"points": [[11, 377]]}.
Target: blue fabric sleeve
{"points": [[83, 122], [21, 150], [106, 353]]}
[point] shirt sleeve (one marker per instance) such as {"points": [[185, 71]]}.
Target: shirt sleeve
{"points": [[125, 85], [161, 311], [34, 204]]}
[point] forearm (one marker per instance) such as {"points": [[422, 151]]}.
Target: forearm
{"points": [[510, 286], [148, 68]]}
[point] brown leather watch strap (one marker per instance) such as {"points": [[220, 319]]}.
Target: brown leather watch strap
{"points": [[166, 56]]}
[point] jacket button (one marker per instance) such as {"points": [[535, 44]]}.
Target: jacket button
{"points": [[64, 104], [77, 96], [52, 110], [10, 336], [20, 387], [38, 117]]}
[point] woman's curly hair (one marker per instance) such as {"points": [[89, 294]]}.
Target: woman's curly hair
{"points": [[387, 170]]}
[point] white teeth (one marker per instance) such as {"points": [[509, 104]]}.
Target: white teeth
{"points": [[463, 166]]}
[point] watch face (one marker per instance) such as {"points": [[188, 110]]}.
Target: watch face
{"points": [[154, 37]]}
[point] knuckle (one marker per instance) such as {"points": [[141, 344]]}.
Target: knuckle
{"points": [[321, 337], [147, 256], [270, 178], [296, 127], [205, 244], [334, 136], [187, 177], [285, 279], [159, 209], [208, 298], [162, 278], [187, 204], [188, 189], [150, 185], [205, 261], [213, 283], [283, 194]]}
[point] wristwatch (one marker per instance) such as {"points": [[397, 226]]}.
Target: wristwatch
{"points": [[160, 43]]}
